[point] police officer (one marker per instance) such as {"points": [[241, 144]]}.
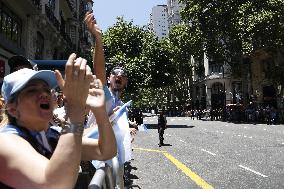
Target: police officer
{"points": [[162, 123]]}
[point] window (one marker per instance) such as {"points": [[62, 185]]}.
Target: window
{"points": [[39, 46], [73, 33], [217, 88], [4, 18], [51, 4], [10, 25], [15, 31]]}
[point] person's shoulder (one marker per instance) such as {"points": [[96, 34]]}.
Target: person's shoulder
{"points": [[107, 92], [10, 140], [10, 129], [15, 150]]}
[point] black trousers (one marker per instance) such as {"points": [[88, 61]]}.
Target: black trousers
{"points": [[161, 135]]}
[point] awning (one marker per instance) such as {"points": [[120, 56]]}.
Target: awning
{"points": [[50, 64]]}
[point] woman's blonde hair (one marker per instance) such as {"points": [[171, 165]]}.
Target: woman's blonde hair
{"points": [[6, 118]]}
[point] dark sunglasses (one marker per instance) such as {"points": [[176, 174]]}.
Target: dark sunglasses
{"points": [[119, 72]]}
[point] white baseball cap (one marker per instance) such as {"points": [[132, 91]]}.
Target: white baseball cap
{"points": [[16, 81]]}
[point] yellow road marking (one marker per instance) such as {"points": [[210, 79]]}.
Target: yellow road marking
{"points": [[149, 150], [197, 179]]}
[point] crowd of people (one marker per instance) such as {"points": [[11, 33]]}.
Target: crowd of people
{"points": [[51, 123], [238, 113]]}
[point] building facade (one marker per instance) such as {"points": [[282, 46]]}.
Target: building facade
{"points": [[174, 8], [159, 21], [265, 88], [41, 29], [217, 86], [214, 86]]}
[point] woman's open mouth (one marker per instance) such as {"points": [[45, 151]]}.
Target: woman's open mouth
{"points": [[45, 106]]}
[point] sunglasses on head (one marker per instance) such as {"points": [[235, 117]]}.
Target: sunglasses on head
{"points": [[119, 72]]}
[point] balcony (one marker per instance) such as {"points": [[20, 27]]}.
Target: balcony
{"points": [[50, 15], [69, 8]]}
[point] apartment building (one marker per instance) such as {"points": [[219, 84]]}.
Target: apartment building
{"points": [[174, 8], [159, 21]]}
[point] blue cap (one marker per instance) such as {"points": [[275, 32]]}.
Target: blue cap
{"points": [[16, 81]]}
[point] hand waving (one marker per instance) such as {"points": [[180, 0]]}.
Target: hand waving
{"points": [[96, 97], [92, 25]]}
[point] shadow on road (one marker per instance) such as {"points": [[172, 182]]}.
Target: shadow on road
{"points": [[154, 126], [129, 177], [166, 145]]}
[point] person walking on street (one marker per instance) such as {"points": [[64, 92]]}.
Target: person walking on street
{"points": [[162, 123]]}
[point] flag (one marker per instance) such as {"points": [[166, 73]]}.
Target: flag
{"points": [[119, 121], [142, 127]]}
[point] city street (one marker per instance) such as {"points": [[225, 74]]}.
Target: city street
{"points": [[208, 154]]}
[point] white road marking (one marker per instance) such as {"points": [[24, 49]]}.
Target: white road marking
{"points": [[245, 136], [211, 153], [255, 172], [250, 137], [239, 135], [222, 132], [182, 141]]}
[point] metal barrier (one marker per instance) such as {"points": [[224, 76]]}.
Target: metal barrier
{"points": [[106, 176]]}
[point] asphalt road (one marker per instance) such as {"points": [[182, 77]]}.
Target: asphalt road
{"points": [[208, 154]]}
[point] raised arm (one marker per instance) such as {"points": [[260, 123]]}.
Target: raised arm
{"points": [[66, 158], [105, 147], [98, 56]]}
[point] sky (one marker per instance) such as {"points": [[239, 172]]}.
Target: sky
{"points": [[137, 11]]}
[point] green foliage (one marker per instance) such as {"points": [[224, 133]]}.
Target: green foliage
{"points": [[124, 38], [232, 28], [183, 45], [185, 42], [156, 54]]}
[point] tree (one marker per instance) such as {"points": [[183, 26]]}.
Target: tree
{"points": [[157, 55], [232, 28], [183, 45]]}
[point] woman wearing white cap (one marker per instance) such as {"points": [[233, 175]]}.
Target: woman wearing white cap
{"points": [[33, 155]]}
